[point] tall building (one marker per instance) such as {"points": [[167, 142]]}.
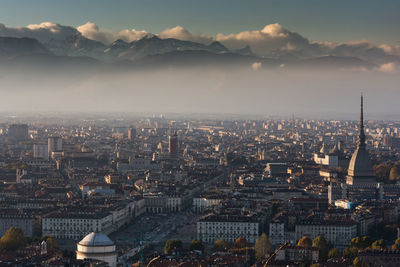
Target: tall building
{"points": [[40, 151], [173, 145], [360, 169], [18, 132], [54, 144], [131, 134]]}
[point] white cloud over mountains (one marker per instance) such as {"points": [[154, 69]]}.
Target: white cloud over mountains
{"points": [[92, 31], [43, 32], [272, 41], [181, 33]]}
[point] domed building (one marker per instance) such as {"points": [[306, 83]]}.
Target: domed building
{"points": [[97, 246], [360, 171]]}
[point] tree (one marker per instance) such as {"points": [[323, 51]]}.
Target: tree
{"points": [[395, 172], [378, 244], [262, 246], [13, 239], [172, 245], [333, 253], [322, 245], [396, 245], [196, 245], [382, 171], [361, 243], [357, 262], [51, 243], [350, 253], [305, 242], [304, 262], [221, 245], [241, 242]]}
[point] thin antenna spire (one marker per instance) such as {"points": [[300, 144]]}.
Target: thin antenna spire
{"points": [[361, 136]]}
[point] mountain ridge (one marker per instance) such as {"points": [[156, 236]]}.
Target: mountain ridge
{"points": [[151, 51]]}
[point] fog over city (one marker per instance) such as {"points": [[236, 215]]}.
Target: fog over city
{"points": [[271, 91]]}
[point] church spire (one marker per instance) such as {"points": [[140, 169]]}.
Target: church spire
{"points": [[361, 136]]}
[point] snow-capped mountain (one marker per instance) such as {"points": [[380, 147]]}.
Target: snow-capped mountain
{"points": [[117, 47], [76, 45], [152, 51], [154, 45]]}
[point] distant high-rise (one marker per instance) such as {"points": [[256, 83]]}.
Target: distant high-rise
{"points": [[40, 151], [54, 144], [131, 134], [18, 132], [360, 169], [173, 145]]}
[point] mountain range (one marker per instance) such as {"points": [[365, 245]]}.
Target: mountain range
{"points": [[151, 51]]}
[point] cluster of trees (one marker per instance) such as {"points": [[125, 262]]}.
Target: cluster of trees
{"points": [[388, 172], [326, 251], [223, 245], [14, 239], [323, 246], [360, 243], [262, 246], [175, 245]]}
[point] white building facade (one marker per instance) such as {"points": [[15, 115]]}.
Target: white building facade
{"points": [[229, 228]]}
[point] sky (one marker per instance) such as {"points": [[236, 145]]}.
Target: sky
{"points": [[339, 20]]}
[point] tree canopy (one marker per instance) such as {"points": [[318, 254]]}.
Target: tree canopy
{"points": [[221, 245], [172, 245], [382, 171], [357, 262], [396, 245], [333, 253], [241, 242], [394, 174], [378, 244], [51, 243], [350, 252], [361, 242], [305, 242], [196, 245], [322, 245], [13, 239], [262, 246]]}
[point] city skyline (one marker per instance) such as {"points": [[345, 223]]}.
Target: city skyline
{"points": [[199, 133]]}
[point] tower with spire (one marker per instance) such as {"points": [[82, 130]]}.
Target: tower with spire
{"points": [[360, 171]]}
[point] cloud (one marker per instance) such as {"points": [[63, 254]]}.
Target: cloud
{"points": [[391, 49], [267, 41], [43, 32], [92, 31], [132, 35], [181, 33], [256, 65], [388, 67]]}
